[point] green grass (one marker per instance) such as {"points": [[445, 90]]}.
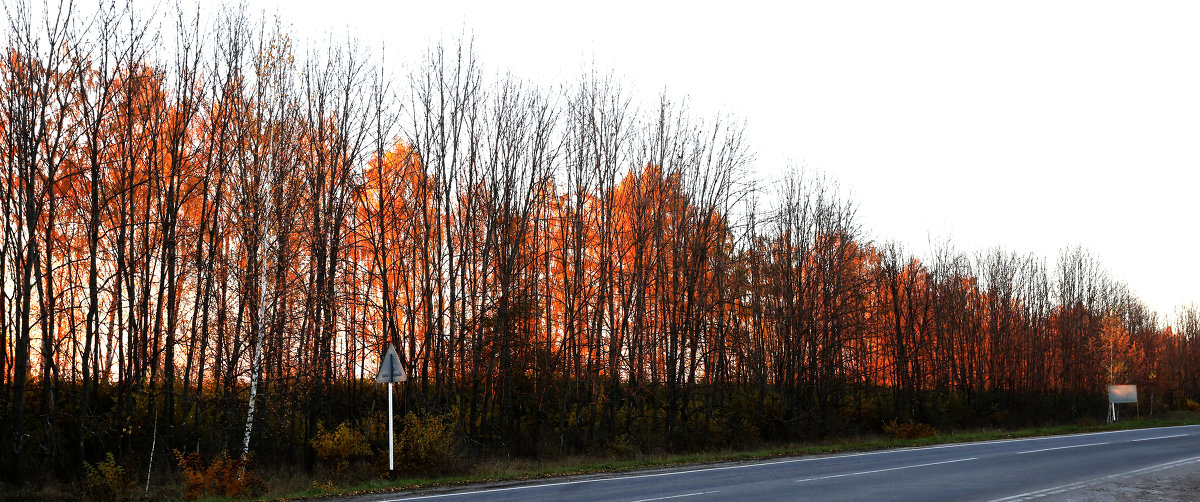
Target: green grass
{"points": [[518, 470]]}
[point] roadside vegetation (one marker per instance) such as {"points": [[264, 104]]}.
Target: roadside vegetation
{"points": [[210, 232], [367, 474], [516, 470]]}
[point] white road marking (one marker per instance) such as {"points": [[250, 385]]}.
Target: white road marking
{"points": [[1159, 437], [678, 496], [773, 462], [885, 470], [1054, 490], [657, 474], [1061, 448], [1036, 438]]}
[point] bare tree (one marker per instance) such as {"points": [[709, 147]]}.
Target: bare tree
{"points": [[34, 111]]}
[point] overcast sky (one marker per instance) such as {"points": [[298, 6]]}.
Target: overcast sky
{"points": [[1029, 125]]}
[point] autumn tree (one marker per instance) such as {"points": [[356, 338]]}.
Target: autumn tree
{"points": [[210, 235]]}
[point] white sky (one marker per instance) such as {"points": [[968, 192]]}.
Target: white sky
{"points": [[1031, 125]]}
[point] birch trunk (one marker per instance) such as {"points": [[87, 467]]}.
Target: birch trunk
{"points": [[257, 357]]}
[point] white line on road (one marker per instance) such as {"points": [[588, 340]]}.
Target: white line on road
{"points": [[767, 463], [1159, 437], [1054, 490], [678, 496], [885, 470], [1060, 448], [660, 474]]}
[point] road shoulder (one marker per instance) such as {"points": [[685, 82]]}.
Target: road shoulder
{"points": [[1180, 483]]}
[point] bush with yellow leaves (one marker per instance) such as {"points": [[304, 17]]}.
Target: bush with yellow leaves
{"points": [[428, 444], [342, 446], [909, 430]]}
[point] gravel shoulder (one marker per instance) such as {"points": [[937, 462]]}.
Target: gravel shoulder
{"points": [[1177, 483]]}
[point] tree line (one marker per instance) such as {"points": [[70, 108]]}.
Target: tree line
{"points": [[211, 236]]}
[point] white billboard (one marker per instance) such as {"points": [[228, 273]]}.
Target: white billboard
{"points": [[1122, 394]]}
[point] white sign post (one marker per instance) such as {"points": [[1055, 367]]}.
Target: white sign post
{"points": [[391, 371], [1120, 394]]}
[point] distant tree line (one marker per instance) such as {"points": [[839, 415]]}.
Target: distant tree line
{"points": [[210, 237]]}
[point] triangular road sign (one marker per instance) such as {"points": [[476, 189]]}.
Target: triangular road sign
{"points": [[390, 369]]}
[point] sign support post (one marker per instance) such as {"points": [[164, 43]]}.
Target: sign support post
{"points": [[391, 436], [391, 371]]}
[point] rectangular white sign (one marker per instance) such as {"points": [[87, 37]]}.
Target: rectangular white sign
{"points": [[1122, 394]]}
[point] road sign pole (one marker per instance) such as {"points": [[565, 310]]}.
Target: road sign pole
{"points": [[391, 371], [391, 439]]}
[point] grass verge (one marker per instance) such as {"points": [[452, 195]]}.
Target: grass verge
{"points": [[522, 470]]}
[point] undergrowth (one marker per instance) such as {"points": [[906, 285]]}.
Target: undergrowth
{"points": [[224, 478], [919, 434]]}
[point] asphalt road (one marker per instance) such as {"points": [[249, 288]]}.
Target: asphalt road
{"points": [[1008, 470]]}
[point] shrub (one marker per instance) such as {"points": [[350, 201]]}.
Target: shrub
{"points": [[621, 446], [340, 447], [429, 442], [998, 415], [222, 477], [106, 481], [326, 487], [909, 430], [955, 410]]}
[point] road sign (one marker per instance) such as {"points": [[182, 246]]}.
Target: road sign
{"points": [[1122, 394], [390, 369]]}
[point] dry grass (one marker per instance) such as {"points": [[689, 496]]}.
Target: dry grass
{"points": [[498, 469], [370, 477]]}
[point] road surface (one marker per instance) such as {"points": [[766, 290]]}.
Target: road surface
{"points": [[1046, 468]]}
